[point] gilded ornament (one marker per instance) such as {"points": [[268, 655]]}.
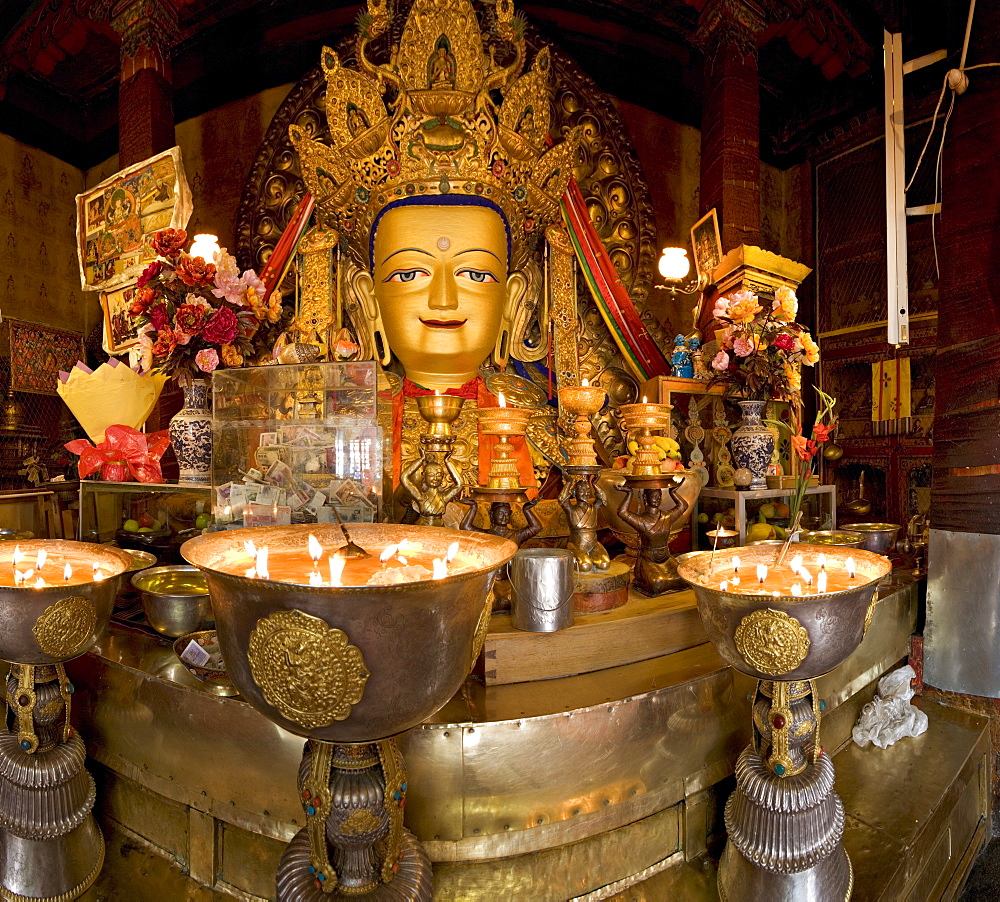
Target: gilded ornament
{"points": [[359, 821], [772, 642], [65, 628], [869, 614], [306, 669], [482, 628]]}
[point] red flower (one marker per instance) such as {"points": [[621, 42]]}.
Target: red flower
{"points": [[221, 328], [190, 318], [158, 317], [165, 343], [140, 303], [168, 242], [805, 448], [194, 271], [784, 341], [150, 273], [822, 433]]}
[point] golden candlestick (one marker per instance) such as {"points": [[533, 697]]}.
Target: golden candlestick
{"points": [[642, 421], [505, 423], [583, 401], [440, 480], [440, 411]]}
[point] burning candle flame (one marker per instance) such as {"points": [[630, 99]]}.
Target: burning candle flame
{"points": [[440, 568], [501, 399], [67, 572], [100, 574], [389, 552], [228, 512], [796, 563], [40, 560], [450, 554], [251, 573], [585, 383], [821, 582], [18, 556], [796, 589], [723, 586], [736, 564], [337, 562], [806, 576], [822, 561], [315, 549], [27, 575], [849, 564], [315, 579], [250, 548], [761, 573], [40, 583], [644, 401], [261, 563]]}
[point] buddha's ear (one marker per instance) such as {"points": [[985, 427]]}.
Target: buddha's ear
{"points": [[517, 288], [363, 288]]}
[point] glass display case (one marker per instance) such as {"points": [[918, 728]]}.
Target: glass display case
{"points": [[740, 509], [296, 444]]}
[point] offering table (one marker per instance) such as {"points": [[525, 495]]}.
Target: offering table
{"points": [[572, 784]]}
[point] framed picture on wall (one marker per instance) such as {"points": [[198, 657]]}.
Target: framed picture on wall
{"points": [[116, 220], [706, 243], [120, 327]]}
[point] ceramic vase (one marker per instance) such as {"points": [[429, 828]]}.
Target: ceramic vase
{"points": [[753, 443], [191, 433]]}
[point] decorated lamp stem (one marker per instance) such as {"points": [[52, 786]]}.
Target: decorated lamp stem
{"points": [[583, 401], [643, 421], [505, 423]]}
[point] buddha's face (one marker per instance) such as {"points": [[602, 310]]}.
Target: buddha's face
{"points": [[442, 290]]}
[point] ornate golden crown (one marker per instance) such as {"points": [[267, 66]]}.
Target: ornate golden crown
{"points": [[430, 123]]}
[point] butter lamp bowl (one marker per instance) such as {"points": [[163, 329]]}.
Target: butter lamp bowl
{"points": [[785, 637], [878, 537], [57, 623], [350, 664], [174, 598]]}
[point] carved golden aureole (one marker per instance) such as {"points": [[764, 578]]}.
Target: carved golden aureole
{"points": [[772, 642], [306, 669], [64, 628]]}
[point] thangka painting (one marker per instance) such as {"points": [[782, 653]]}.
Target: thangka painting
{"points": [[116, 220], [706, 242], [37, 353], [120, 327]]}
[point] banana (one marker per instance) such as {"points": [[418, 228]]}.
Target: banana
{"points": [[666, 443]]}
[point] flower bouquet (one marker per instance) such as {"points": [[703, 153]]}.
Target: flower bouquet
{"points": [[195, 315], [762, 350]]}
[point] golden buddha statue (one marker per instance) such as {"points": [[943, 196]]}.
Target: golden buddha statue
{"points": [[441, 194]]}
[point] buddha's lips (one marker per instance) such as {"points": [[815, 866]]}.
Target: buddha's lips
{"points": [[443, 323]]}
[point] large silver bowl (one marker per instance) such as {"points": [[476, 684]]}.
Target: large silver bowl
{"points": [[416, 641], [879, 537], [785, 637], [56, 624]]}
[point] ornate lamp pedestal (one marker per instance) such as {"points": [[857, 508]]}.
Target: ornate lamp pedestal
{"points": [[50, 846], [440, 481], [785, 821], [313, 659]]}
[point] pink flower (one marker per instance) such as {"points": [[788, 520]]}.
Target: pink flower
{"points": [[221, 328], [743, 347], [721, 361], [230, 287], [207, 360], [721, 308], [253, 283]]}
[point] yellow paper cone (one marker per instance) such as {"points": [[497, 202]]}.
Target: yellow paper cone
{"points": [[109, 396]]}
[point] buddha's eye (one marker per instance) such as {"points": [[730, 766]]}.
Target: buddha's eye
{"points": [[477, 275], [405, 275]]}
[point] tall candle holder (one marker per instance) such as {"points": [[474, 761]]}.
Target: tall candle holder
{"points": [[52, 847], [440, 480], [307, 658], [583, 401], [505, 423], [785, 821], [643, 421]]}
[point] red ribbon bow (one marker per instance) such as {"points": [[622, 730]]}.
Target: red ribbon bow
{"points": [[126, 446]]}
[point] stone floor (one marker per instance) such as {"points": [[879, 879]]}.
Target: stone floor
{"points": [[984, 880]]}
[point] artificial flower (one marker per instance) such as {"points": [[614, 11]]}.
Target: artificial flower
{"points": [[822, 433], [207, 359], [140, 303], [221, 328], [165, 343], [721, 361], [169, 242], [811, 349], [159, 318], [793, 376], [743, 347], [150, 272], [195, 271], [189, 319], [784, 341], [231, 356], [786, 304], [743, 307]]}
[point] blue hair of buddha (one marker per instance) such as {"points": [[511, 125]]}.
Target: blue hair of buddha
{"points": [[437, 200]]}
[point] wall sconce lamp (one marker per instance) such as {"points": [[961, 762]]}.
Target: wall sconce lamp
{"points": [[674, 266], [206, 247]]}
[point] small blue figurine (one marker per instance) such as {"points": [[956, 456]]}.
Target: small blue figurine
{"points": [[680, 360]]}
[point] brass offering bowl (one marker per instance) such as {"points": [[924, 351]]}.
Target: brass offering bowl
{"points": [[582, 401], [215, 678], [406, 648], [842, 537], [806, 636], [505, 423], [440, 411], [175, 598], [878, 537], [56, 624]]}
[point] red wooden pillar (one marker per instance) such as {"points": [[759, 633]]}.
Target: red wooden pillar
{"points": [[730, 122], [148, 30]]}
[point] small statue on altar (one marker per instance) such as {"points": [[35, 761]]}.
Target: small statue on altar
{"points": [[581, 502], [698, 364], [430, 493], [501, 513], [655, 568], [680, 360]]}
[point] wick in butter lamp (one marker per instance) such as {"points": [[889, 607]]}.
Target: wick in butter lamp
{"points": [[786, 625], [55, 601], [309, 650]]}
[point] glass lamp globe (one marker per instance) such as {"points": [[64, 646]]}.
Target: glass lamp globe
{"points": [[205, 246], [674, 264]]}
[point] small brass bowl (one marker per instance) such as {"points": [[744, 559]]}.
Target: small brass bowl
{"points": [[843, 537], [878, 537], [213, 672], [175, 598]]}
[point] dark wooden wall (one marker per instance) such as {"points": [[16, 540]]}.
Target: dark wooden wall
{"points": [[966, 485]]}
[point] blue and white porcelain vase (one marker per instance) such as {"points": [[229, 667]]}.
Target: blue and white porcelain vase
{"points": [[753, 443], [191, 433]]}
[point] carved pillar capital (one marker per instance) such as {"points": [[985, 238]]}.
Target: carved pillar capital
{"points": [[148, 31], [731, 24]]}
